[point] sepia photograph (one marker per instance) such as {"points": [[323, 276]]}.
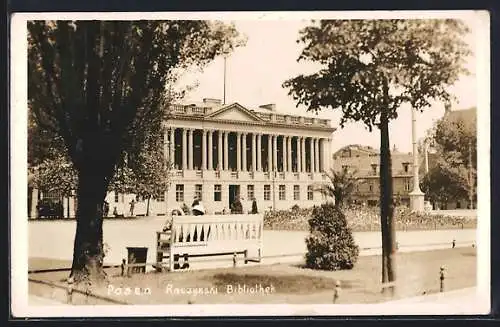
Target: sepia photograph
{"points": [[250, 164]]}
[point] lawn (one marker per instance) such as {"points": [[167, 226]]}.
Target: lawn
{"points": [[417, 273]]}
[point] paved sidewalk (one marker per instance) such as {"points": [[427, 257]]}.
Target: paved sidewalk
{"points": [[38, 300], [463, 297]]}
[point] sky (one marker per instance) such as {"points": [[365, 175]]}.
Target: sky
{"points": [[255, 74]]}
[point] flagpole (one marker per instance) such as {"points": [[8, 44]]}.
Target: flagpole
{"points": [[225, 58]]}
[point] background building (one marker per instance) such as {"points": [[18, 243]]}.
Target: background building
{"points": [[365, 160]]}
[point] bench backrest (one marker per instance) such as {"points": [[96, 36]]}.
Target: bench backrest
{"points": [[217, 228]]}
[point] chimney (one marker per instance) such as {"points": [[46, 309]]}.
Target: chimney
{"points": [[212, 102], [270, 106]]}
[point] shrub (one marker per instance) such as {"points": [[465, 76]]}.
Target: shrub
{"points": [[295, 207], [330, 245]]}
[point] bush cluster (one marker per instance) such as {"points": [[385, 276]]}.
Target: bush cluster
{"points": [[330, 245]]}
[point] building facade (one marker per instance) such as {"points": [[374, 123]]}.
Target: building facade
{"points": [[221, 152], [365, 161]]}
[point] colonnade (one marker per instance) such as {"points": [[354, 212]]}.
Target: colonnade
{"points": [[253, 151]]}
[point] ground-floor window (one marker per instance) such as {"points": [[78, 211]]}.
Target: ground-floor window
{"points": [[310, 195], [296, 192], [179, 192], [407, 184], [198, 192], [217, 192], [161, 197], [282, 193], [267, 192], [250, 192]]}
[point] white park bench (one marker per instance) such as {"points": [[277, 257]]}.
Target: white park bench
{"points": [[210, 235]]}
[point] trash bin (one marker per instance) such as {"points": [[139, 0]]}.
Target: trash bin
{"points": [[137, 256]]}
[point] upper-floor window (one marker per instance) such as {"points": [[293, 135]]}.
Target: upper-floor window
{"points": [[374, 169], [406, 166]]}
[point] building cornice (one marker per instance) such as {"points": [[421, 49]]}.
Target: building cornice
{"points": [[302, 127]]}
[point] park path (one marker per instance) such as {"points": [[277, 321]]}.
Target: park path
{"points": [[54, 240]]}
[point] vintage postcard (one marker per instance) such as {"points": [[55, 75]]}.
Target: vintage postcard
{"points": [[250, 163]]}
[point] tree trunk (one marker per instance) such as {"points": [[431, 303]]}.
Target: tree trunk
{"points": [[88, 252], [386, 204], [147, 207]]}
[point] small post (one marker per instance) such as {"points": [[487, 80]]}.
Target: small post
{"points": [[441, 278], [246, 256], [185, 264], [336, 292], [69, 291], [234, 259], [473, 245], [123, 267], [453, 244]]}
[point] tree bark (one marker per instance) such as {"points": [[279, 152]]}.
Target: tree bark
{"points": [[386, 204], [88, 254]]}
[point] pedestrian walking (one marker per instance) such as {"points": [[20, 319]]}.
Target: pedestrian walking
{"points": [[132, 205]]}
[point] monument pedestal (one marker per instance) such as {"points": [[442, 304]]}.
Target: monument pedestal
{"points": [[417, 201]]}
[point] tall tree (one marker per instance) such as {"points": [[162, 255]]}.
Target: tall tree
{"points": [[100, 87], [370, 68], [454, 174]]}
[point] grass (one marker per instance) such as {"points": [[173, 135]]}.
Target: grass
{"points": [[417, 273]]}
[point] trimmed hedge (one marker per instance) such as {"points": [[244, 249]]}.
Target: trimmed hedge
{"points": [[362, 219]]}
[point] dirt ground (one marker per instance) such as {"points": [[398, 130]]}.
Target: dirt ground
{"points": [[417, 273]]}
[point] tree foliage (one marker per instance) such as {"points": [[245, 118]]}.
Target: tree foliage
{"points": [[101, 87], [413, 61], [369, 69], [341, 186], [454, 175]]}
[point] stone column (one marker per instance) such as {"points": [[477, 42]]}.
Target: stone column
{"points": [[254, 152], [259, 152], [238, 151], [190, 148], [184, 149], [283, 153], [166, 146], [269, 153], [244, 148], [316, 155], [275, 152], [219, 151], [210, 150], [172, 146], [289, 153], [299, 154], [311, 155], [203, 149], [226, 150], [303, 154]]}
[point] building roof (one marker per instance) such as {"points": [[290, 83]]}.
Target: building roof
{"points": [[364, 159]]}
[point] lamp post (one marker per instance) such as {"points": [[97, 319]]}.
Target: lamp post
{"points": [[416, 195]]}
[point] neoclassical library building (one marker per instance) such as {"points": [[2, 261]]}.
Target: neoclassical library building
{"points": [[219, 152]]}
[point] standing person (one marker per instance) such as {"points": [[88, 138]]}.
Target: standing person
{"points": [[132, 205]]}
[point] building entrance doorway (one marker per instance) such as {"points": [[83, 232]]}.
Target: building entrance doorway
{"points": [[234, 192]]}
